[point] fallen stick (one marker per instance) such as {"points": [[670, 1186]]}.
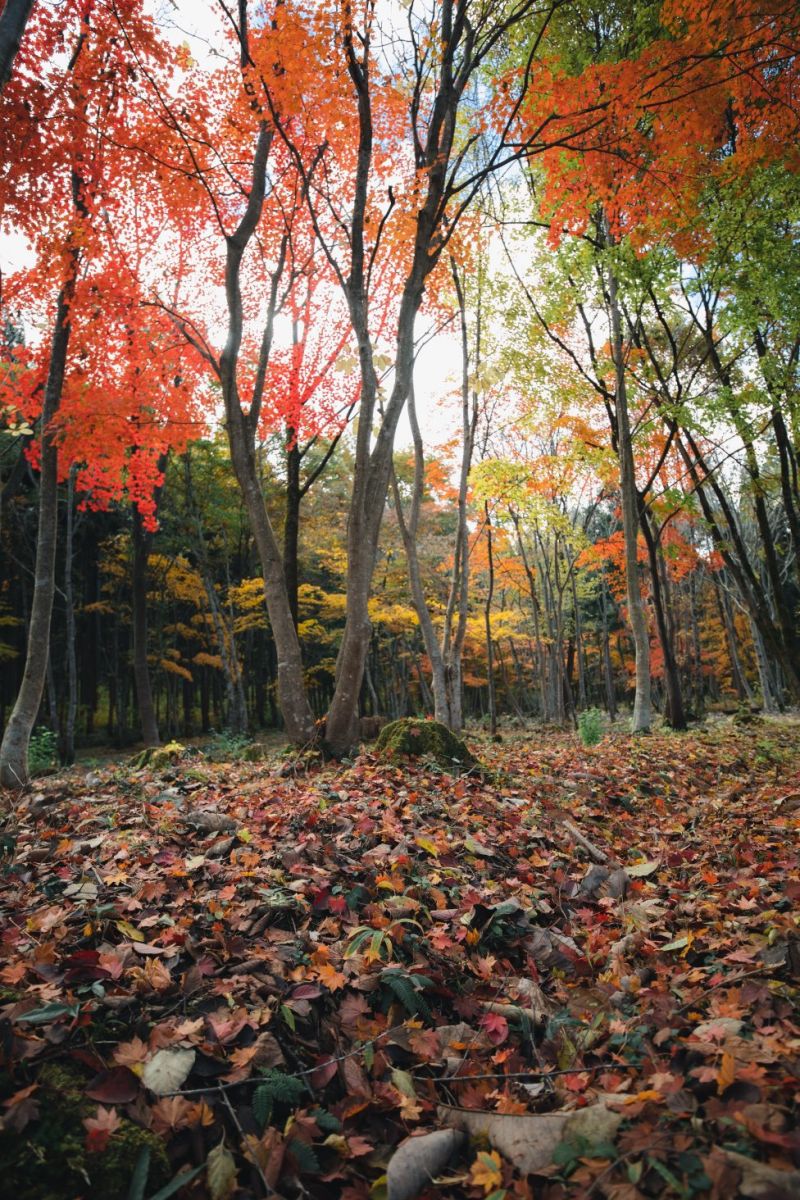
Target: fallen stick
{"points": [[593, 851]]}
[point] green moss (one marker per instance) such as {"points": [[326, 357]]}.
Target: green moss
{"points": [[254, 753], [430, 739], [48, 1159], [158, 757]]}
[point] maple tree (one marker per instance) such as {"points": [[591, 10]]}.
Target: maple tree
{"points": [[59, 194]]}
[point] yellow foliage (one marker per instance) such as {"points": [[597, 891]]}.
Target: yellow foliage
{"points": [[174, 669], [208, 660], [313, 631], [395, 617]]}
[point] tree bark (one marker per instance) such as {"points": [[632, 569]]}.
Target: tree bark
{"points": [[13, 20], [16, 739], [487, 620], [69, 602], [675, 712], [740, 684], [608, 670], [142, 541], [642, 708], [241, 429], [291, 528]]}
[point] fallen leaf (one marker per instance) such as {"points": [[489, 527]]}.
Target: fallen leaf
{"points": [[418, 1160], [168, 1070], [221, 1174], [530, 1141]]}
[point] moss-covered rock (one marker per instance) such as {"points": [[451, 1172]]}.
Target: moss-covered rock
{"points": [[427, 739], [48, 1160], [158, 757], [255, 752]]}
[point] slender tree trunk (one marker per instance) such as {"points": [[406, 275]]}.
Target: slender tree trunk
{"points": [[675, 711], [223, 628], [769, 692], [789, 481], [16, 739], [487, 619], [242, 428], [69, 600], [608, 670], [13, 20], [291, 528], [728, 541], [740, 684], [142, 541], [458, 599], [372, 469], [579, 657], [642, 709], [408, 531]]}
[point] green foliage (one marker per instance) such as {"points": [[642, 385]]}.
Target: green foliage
{"points": [[305, 1157], [590, 726], [276, 1089], [380, 940], [42, 751], [227, 746], [406, 989], [568, 1154]]}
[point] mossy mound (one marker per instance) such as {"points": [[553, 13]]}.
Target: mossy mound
{"points": [[48, 1160], [425, 739], [158, 757], [255, 752]]}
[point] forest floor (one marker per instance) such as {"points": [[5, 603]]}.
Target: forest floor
{"points": [[237, 980]]}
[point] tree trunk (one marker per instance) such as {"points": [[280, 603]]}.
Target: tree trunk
{"points": [[740, 684], [769, 692], [371, 475], [241, 429], [608, 670], [142, 541], [16, 739], [69, 600], [729, 543], [487, 619], [642, 709], [408, 531], [13, 20], [675, 711], [291, 528]]}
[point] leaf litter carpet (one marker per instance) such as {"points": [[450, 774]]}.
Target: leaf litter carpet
{"points": [[574, 974]]}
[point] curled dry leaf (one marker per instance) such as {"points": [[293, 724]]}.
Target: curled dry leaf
{"points": [[759, 1181], [529, 1140], [418, 1160], [211, 822]]}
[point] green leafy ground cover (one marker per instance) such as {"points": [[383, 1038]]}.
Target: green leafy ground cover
{"points": [[271, 975]]}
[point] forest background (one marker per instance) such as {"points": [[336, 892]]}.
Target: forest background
{"points": [[238, 263]]}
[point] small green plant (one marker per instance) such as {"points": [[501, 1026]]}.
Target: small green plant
{"points": [[42, 750], [380, 940], [276, 1088], [227, 746], [590, 726]]}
